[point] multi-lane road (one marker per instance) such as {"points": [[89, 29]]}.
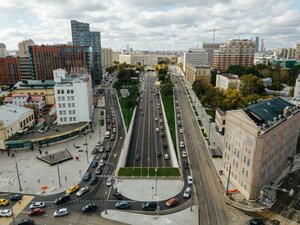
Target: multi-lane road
{"points": [[149, 145]]}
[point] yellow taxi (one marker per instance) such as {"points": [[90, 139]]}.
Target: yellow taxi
{"points": [[3, 201], [72, 189]]}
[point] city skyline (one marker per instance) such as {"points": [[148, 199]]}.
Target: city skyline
{"points": [[164, 25]]}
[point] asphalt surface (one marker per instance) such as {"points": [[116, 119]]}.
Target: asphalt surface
{"points": [[146, 140]]}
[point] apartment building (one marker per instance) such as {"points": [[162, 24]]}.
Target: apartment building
{"points": [[258, 141], [210, 48], [9, 70], [106, 58], [73, 96], [225, 81], [14, 119], [196, 56], [234, 52], [285, 53], [198, 72], [297, 89], [24, 100]]}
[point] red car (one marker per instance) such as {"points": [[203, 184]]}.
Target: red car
{"points": [[172, 202], [37, 211]]}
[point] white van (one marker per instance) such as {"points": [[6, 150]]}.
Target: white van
{"points": [[107, 134]]}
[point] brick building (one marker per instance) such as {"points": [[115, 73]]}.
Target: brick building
{"points": [[9, 70]]}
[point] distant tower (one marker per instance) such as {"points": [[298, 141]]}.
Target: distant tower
{"points": [[262, 45], [256, 44], [127, 48]]}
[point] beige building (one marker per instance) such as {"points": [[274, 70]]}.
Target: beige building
{"points": [[285, 53], [297, 51], [115, 55], [220, 121], [23, 48], [106, 59], [225, 81], [199, 72], [14, 119], [234, 52], [196, 56], [258, 141]]}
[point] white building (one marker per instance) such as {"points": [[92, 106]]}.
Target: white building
{"points": [[14, 119], [73, 96], [224, 81], [115, 55], [196, 56], [24, 100], [297, 89], [106, 59]]}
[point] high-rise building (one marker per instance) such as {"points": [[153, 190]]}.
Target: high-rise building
{"points": [[297, 51], [106, 58], [3, 51], [9, 70], [209, 48], [256, 44], [91, 40], [285, 53], [46, 58], [234, 52], [258, 141], [24, 48], [25, 68], [196, 56]]}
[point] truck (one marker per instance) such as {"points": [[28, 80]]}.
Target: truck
{"points": [[107, 134]]}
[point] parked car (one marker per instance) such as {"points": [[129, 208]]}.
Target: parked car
{"points": [[98, 170], [157, 129], [156, 119], [256, 221], [114, 130], [87, 176], [16, 197], [166, 156], [181, 130], [62, 199], [101, 149], [82, 191], [149, 206], [137, 157], [189, 179], [112, 137], [172, 202], [108, 148], [117, 195], [72, 189], [109, 181], [26, 222], [181, 144], [162, 134], [161, 127], [37, 205], [5, 213], [122, 205], [94, 164], [94, 180], [187, 193], [184, 154], [4, 201], [61, 212], [37, 211], [89, 207], [104, 156], [95, 150], [165, 145], [186, 164], [158, 154]]}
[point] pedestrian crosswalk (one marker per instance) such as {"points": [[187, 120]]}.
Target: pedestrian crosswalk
{"points": [[282, 217]]}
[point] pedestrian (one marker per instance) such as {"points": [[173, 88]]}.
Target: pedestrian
{"points": [[90, 137], [8, 153], [40, 151]]}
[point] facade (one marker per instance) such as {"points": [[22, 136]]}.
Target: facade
{"points": [[9, 71], [261, 58], [115, 55], [234, 52], [199, 72], [297, 51], [46, 58], [73, 97], [25, 68], [284, 63], [210, 48], [3, 51], [297, 89], [225, 81], [24, 48], [24, 100], [80, 33], [258, 141], [14, 119], [285, 53], [147, 60], [106, 58], [220, 121], [196, 56], [34, 88], [96, 69], [256, 44]]}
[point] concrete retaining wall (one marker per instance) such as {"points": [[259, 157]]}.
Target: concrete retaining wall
{"points": [[125, 128]]}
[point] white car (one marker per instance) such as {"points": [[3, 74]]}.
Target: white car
{"points": [[82, 191], [166, 156], [37, 205], [189, 179], [5, 213], [157, 129], [187, 193], [61, 212], [181, 131], [114, 130], [181, 144], [184, 154], [101, 149], [156, 119]]}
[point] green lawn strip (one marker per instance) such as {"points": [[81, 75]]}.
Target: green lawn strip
{"points": [[127, 112], [211, 113], [136, 172]]}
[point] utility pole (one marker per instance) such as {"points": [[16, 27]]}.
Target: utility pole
{"points": [[156, 181], [20, 188], [209, 130], [58, 173], [228, 180], [105, 202], [86, 151]]}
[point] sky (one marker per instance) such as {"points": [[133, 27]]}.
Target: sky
{"points": [[152, 24]]}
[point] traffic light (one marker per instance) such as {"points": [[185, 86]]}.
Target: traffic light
{"points": [[291, 192]]}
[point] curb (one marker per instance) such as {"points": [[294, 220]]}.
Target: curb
{"points": [[117, 97]]}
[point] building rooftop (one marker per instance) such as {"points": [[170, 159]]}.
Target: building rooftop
{"points": [[199, 65], [34, 84], [11, 113], [265, 111], [230, 76]]}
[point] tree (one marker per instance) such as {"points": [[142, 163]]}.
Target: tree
{"points": [[233, 99], [168, 88], [292, 90], [276, 86], [162, 77], [251, 85]]}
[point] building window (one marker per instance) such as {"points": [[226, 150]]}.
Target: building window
{"points": [[64, 112], [246, 173], [59, 98], [60, 112], [68, 91], [72, 98], [72, 91], [244, 159], [65, 119], [62, 91], [69, 105], [248, 162], [73, 104], [74, 118], [61, 119], [63, 98], [58, 91], [70, 111], [64, 105], [59, 105], [243, 170], [68, 98], [245, 187], [73, 111], [238, 154], [70, 118], [237, 164]]}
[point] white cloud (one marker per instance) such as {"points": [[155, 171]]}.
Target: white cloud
{"points": [[155, 24]]}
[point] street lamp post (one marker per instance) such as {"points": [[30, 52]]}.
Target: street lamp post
{"points": [[87, 151], [20, 188], [105, 202], [209, 131], [156, 180], [228, 180], [58, 173]]}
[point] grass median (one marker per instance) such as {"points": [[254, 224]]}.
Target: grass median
{"points": [[146, 171]]}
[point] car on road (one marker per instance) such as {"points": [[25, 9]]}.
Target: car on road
{"points": [[101, 149], [181, 130], [61, 212], [137, 157], [158, 154], [157, 129], [37, 205], [118, 195], [89, 207], [184, 154], [104, 156], [4, 201], [87, 176], [149, 206], [98, 170], [165, 145], [172, 202], [62, 199], [160, 120], [156, 119], [72, 189], [186, 164], [256, 221], [142, 113], [101, 163], [108, 148], [94, 180], [95, 150], [5, 213], [187, 192], [114, 130], [26, 222], [82, 191], [166, 156], [37, 211], [161, 127], [181, 144], [109, 181], [94, 164], [16, 197], [112, 137], [122, 205], [162, 134], [189, 179]]}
